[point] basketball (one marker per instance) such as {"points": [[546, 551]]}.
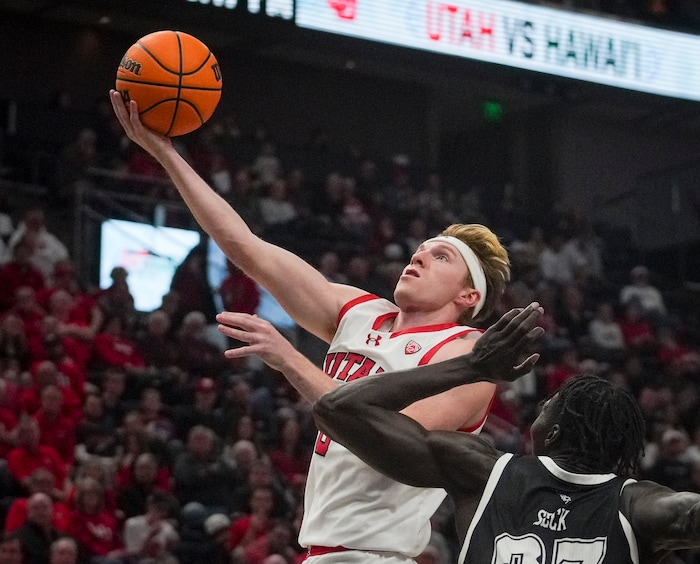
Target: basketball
{"points": [[175, 79]]}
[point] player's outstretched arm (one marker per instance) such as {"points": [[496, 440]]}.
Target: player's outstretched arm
{"points": [[262, 339], [364, 415], [662, 519], [302, 291]]}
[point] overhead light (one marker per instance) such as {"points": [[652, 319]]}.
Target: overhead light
{"points": [[104, 20]]}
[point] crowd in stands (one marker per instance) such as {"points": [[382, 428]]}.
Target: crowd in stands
{"points": [[128, 437]]}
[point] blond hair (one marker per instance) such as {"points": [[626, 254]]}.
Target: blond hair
{"points": [[493, 258]]}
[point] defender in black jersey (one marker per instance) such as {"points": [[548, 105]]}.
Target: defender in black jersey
{"points": [[567, 504]]}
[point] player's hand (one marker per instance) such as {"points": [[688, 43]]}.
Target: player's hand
{"points": [[497, 352], [261, 337], [128, 116]]}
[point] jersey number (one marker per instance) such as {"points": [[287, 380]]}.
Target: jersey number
{"points": [[529, 549]]}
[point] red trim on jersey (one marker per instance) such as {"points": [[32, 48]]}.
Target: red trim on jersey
{"points": [[354, 302], [474, 427], [382, 319], [427, 357], [321, 550]]}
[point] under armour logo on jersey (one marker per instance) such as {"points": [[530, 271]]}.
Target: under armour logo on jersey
{"points": [[412, 347], [565, 498], [374, 340]]}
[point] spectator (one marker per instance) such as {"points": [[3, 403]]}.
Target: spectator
{"points": [[151, 538], [256, 523], [278, 540], [156, 345], [93, 527], [117, 299], [216, 547], [14, 348], [554, 263], [47, 249], [238, 291], [112, 388], [157, 423], [64, 550], [19, 272], [198, 355], [40, 481], [27, 308], [30, 455], [202, 475], [192, 285], [112, 348], [38, 533], [94, 435], [276, 208], [203, 411], [132, 497], [647, 296], [56, 429], [606, 335], [11, 549], [638, 332], [290, 455], [673, 468]]}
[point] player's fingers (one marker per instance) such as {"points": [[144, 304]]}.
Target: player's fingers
{"points": [[525, 366]]}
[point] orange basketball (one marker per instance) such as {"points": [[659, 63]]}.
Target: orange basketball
{"points": [[174, 78]]}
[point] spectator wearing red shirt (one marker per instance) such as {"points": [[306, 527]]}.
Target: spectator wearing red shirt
{"points": [[639, 334], [45, 373], [57, 430], [566, 367], [291, 456], [239, 292], [84, 308], [61, 306], [8, 431], [27, 308], [40, 481], [256, 524], [278, 540], [29, 455], [17, 273], [112, 349], [92, 525]]}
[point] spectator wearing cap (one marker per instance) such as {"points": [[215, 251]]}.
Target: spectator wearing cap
{"points": [[216, 547], [203, 411]]}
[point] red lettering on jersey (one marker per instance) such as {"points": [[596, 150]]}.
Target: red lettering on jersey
{"points": [[352, 360], [365, 369], [322, 444], [332, 363]]}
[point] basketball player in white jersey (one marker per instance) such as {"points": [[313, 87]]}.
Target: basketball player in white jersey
{"points": [[353, 514]]}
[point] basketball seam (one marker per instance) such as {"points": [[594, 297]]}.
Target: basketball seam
{"points": [[185, 87]]}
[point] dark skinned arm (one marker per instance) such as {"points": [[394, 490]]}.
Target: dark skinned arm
{"points": [[663, 520], [364, 415]]}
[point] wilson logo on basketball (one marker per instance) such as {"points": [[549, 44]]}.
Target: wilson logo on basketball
{"points": [[130, 65], [412, 347]]}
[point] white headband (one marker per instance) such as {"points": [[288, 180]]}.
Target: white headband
{"points": [[473, 264]]}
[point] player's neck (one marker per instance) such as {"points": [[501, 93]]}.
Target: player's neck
{"points": [[409, 319]]}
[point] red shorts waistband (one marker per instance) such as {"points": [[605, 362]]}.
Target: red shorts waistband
{"points": [[320, 550]]}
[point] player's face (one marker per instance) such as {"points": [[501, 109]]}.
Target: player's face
{"points": [[435, 276], [542, 425]]}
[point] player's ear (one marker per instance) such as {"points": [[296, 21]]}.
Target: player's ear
{"points": [[552, 435], [468, 297]]}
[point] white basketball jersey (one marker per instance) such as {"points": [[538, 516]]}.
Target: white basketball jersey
{"points": [[346, 502]]}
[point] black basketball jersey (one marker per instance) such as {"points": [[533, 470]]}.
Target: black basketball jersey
{"points": [[534, 512]]}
